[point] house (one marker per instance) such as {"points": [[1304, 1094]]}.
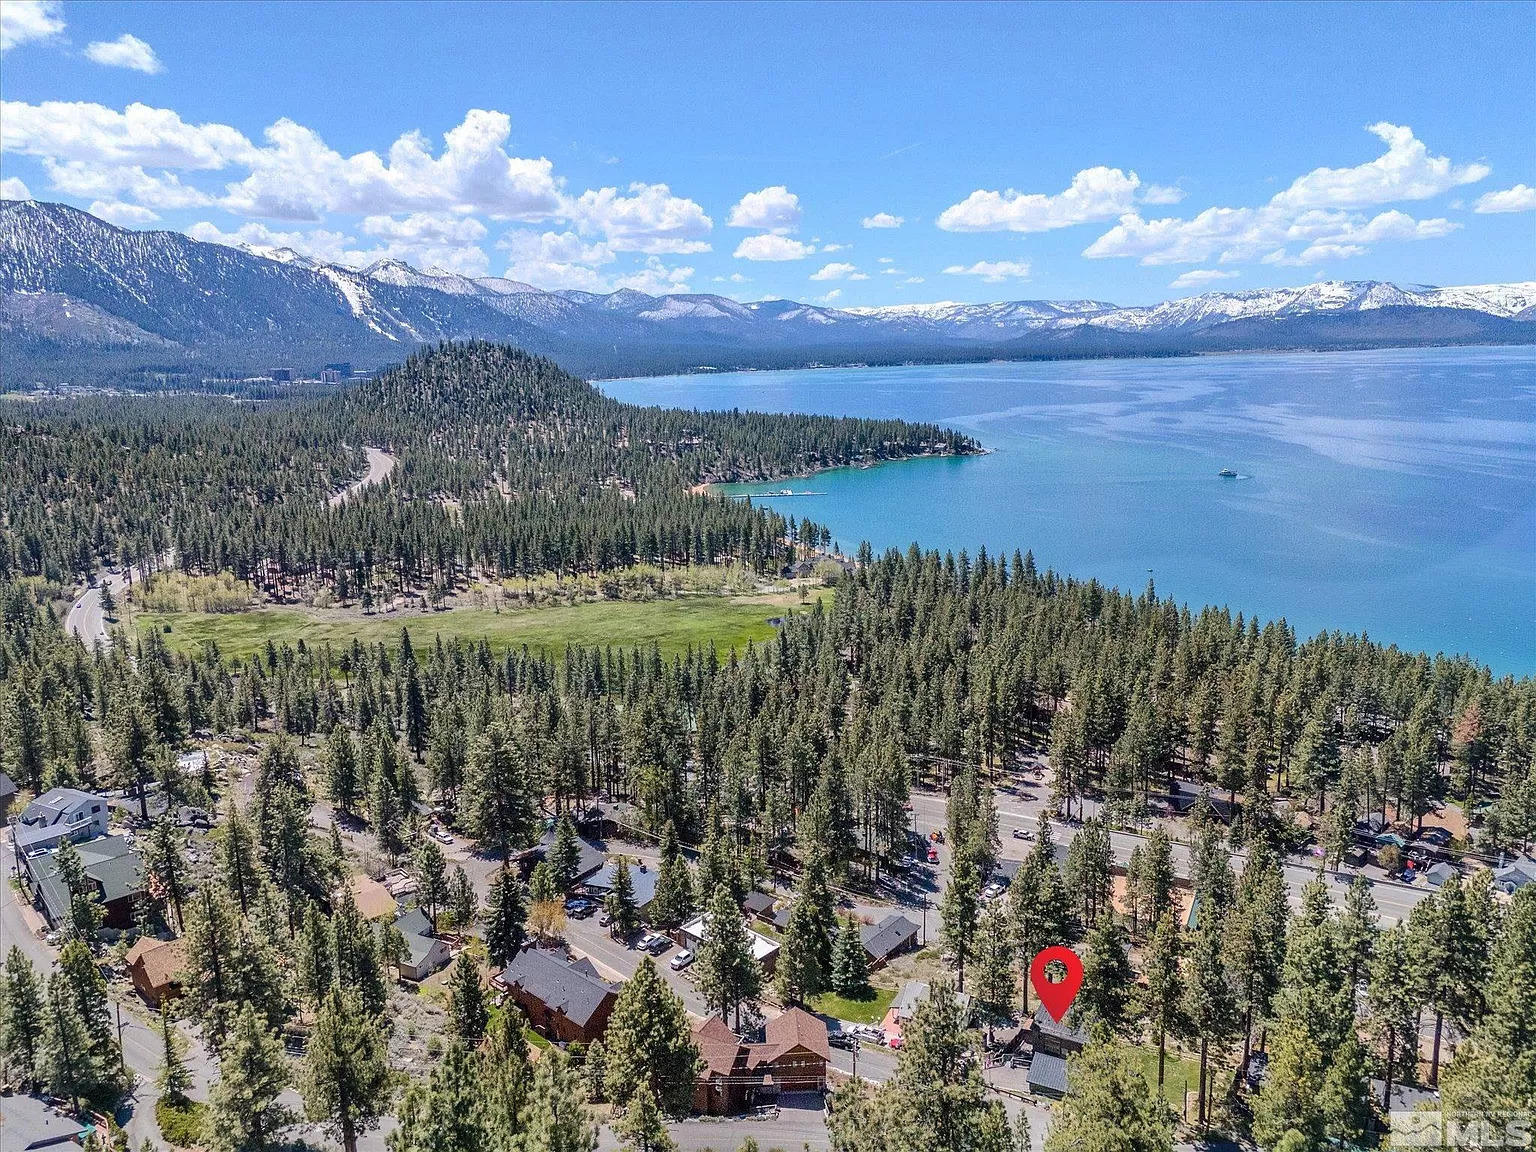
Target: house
{"points": [[1047, 1075], [8, 793], [1056, 1039], [758, 906], [57, 815], [373, 900], [888, 939], [780, 920], [696, 931], [642, 880], [913, 993], [154, 967], [426, 953], [1515, 876], [1438, 875], [591, 857], [736, 1075], [27, 1123], [111, 864], [565, 1000]]}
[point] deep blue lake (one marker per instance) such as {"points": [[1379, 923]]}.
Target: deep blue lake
{"points": [[1392, 493]]}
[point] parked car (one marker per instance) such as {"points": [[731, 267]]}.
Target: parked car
{"points": [[440, 834], [579, 908], [992, 891], [653, 943], [933, 855], [682, 960], [841, 1039], [1023, 834], [604, 918]]}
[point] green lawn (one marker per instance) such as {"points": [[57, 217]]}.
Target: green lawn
{"points": [[870, 1011], [674, 624], [1178, 1073]]}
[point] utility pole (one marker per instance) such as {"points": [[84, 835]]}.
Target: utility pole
{"points": [[855, 1057]]}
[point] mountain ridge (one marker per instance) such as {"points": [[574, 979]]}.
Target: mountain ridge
{"points": [[83, 295]]}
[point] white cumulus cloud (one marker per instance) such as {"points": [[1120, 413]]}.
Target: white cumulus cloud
{"points": [[1162, 194], [883, 220], [13, 188], [774, 209], [127, 51], [838, 271], [1520, 198], [1199, 277], [25, 20], [1405, 171], [990, 271], [1095, 194], [651, 219], [121, 214], [771, 246]]}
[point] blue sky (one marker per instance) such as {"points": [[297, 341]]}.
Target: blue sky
{"points": [[1127, 154]]}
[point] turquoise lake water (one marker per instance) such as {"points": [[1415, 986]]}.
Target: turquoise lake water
{"points": [[1392, 493]]}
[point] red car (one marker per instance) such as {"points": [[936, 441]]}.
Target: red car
{"points": [[933, 855]]}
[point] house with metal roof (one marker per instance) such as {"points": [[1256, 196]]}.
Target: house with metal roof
{"points": [[888, 939], [1053, 1037], [563, 999], [27, 1123], [764, 950], [913, 993], [642, 881], [57, 815], [1047, 1075], [1513, 877], [111, 864]]}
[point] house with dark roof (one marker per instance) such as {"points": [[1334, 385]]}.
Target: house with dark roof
{"points": [[57, 815], [563, 999], [1513, 877], [1047, 1075], [642, 880], [758, 906], [888, 939], [111, 864], [1056, 1039], [8, 794], [591, 857], [736, 1075], [426, 953]]}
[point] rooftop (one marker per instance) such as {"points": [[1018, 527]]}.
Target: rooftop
{"points": [[887, 937], [641, 879], [109, 860], [1048, 1073], [762, 947], [573, 989]]}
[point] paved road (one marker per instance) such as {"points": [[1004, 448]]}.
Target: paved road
{"points": [[791, 1128], [380, 465], [85, 618]]}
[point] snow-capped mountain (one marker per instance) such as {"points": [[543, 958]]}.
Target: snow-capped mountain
{"points": [[78, 292]]}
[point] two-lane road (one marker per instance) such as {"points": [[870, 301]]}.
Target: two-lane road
{"points": [[86, 619]]}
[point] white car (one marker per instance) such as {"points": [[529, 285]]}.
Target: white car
{"points": [[682, 960], [441, 835]]}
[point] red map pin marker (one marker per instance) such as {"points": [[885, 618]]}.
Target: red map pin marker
{"points": [[1057, 998]]}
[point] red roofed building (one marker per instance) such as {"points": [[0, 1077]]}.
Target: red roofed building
{"points": [[738, 1076]]}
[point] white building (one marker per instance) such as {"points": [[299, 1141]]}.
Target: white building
{"points": [[60, 814]]}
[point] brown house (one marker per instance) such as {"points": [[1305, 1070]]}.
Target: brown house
{"points": [[564, 1000], [737, 1076], [154, 967]]}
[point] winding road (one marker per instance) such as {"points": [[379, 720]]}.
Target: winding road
{"points": [[380, 465], [86, 619]]}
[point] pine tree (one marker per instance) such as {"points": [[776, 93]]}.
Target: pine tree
{"points": [[996, 979], [798, 973], [431, 874], [243, 1112], [1209, 1005], [86, 913], [446, 1112], [1357, 930], [1088, 871], [556, 1118], [1392, 1010], [463, 904], [70, 1062], [728, 972], [466, 999], [564, 855], [1255, 938], [624, 916], [339, 766], [850, 963], [242, 873], [166, 863], [673, 903], [1107, 976], [175, 1078], [22, 1017], [1110, 1105], [505, 913], [1162, 995], [345, 1078], [499, 813], [641, 1126], [957, 915], [649, 1044]]}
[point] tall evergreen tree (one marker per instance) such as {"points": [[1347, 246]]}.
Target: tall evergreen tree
{"points": [[1107, 976], [1110, 1106], [729, 975], [649, 1044], [505, 914], [1163, 990], [21, 1022], [243, 1110], [345, 1078], [850, 963], [467, 1012], [958, 915]]}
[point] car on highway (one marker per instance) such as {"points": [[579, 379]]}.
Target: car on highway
{"points": [[682, 960]]}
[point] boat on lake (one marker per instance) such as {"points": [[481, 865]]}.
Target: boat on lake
{"points": [[1227, 474]]}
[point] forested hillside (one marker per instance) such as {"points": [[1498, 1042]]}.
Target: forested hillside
{"points": [[507, 466]]}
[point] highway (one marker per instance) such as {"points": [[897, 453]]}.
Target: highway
{"points": [[86, 619]]}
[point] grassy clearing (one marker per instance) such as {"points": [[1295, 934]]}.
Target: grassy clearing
{"points": [[868, 1011], [1178, 1074], [674, 624]]}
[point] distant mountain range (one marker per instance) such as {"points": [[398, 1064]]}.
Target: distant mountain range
{"points": [[86, 302]]}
